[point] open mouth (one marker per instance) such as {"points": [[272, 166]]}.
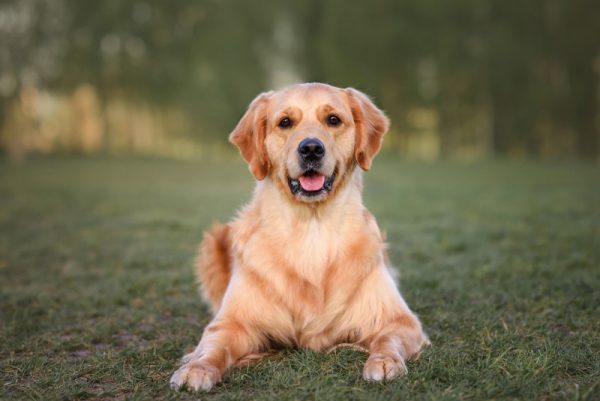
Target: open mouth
{"points": [[311, 183]]}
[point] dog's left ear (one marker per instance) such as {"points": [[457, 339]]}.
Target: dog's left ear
{"points": [[249, 136], [371, 124]]}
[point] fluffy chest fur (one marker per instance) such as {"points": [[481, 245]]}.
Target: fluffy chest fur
{"points": [[309, 266]]}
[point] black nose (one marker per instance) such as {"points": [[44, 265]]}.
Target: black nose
{"points": [[311, 149]]}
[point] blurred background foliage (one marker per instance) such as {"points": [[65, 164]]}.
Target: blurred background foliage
{"points": [[461, 79]]}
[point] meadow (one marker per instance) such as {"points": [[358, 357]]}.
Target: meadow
{"points": [[500, 259]]}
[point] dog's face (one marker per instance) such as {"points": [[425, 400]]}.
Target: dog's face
{"points": [[308, 138]]}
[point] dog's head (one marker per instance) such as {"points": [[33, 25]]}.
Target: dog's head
{"points": [[308, 138]]}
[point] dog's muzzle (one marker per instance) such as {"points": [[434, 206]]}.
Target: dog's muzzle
{"points": [[311, 183], [311, 151]]}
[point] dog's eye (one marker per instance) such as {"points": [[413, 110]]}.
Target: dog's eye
{"points": [[285, 122], [333, 120]]}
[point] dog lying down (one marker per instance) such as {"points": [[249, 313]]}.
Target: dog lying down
{"points": [[304, 264]]}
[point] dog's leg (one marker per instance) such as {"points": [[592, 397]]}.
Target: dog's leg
{"points": [[224, 342], [401, 340], [251, 359]]}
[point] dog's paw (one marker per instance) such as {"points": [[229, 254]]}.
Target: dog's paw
{"points": [[378, 368], [195, 376]]}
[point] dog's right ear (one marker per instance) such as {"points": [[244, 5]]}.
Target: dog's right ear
{"points": [[249, 136]]}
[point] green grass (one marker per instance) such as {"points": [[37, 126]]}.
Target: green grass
{"points": [[501, 260]]}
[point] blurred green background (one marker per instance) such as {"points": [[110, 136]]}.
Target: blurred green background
{"points": [[464, 79]]}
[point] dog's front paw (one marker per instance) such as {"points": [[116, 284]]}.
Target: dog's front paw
{"points": [[195, 376], [378, 368]]}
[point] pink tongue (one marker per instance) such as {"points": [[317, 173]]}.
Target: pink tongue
{"points": [[312, 182]]}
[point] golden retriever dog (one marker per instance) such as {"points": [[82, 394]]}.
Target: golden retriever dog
{"points": [[304, 264]]}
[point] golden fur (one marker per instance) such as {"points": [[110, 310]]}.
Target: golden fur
{"points": [[298, 271]]}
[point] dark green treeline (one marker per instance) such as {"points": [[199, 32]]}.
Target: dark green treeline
{"points": [[493, 76]]}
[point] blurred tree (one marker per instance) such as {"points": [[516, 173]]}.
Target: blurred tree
{"points": [[32, 42], [472, 77]]}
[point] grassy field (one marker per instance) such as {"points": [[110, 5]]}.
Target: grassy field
{"points": [[501, 260]]}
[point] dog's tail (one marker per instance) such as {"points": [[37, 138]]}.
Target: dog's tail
{"points": [[213, 265]]}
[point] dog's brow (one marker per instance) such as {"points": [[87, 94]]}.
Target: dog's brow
{"points": [[292, 112]]}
